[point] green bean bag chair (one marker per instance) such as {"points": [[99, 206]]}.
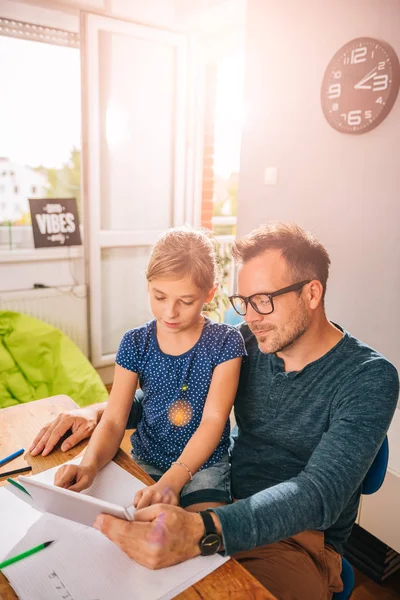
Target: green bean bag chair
{"points": [[38, 360]]}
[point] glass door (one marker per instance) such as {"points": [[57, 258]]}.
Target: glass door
{"points": [[134, 116]]}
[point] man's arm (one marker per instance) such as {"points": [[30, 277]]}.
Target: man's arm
{"points": [[82, 422], [312, 500], [316, 497]]}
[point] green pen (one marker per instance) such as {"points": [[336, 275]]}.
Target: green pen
{"points": [[14, 559], [18, 485]]}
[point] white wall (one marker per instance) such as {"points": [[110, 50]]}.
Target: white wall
{"points": [[344, 188], [53, 267]]}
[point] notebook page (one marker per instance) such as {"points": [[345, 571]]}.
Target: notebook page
{"points": [[87, 566], [46, 528], [16, 516], [115, 485], [112, 483]]}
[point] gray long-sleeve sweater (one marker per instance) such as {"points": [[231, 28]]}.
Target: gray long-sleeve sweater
{"points": [[305, 442]]}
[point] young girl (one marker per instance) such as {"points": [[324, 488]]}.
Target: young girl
{"points": [[188, 369]]}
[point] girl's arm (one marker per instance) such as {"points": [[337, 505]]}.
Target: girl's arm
{"points": [[107, 436], [206, 438]]}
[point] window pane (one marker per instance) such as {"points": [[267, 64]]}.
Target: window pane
{"points": [[124, 293], [40, 132], [136, 105]]}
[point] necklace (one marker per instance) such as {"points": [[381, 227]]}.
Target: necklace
{"points": [[180, 412]]}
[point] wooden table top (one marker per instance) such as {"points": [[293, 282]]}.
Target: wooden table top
{"points": [[18, 427]]}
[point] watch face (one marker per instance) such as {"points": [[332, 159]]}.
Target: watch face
{"points": [[360, 85], [210, 544]]}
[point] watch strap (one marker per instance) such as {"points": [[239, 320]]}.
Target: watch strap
{"points": [[208, 521]]}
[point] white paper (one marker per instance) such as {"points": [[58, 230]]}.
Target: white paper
{"points": [[82, 564], [115, 485], [87, 566], [16, 516], [112, 483], [112, 492]]}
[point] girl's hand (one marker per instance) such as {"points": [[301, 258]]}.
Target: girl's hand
{"points": [[75, 477], [154, 494]]}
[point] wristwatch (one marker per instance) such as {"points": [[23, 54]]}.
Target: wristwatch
{"points": [[211, 541]]}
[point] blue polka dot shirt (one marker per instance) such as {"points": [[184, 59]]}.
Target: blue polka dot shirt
{"points": [[175, 385]]}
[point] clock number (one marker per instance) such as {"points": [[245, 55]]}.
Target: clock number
{"points": [[337, 74], [381, 65], [379, 100], [380, 83], [368, 114], [354, 117], [334, 91], [358, 55]]}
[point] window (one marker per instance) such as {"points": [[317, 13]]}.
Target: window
{"points": [[224, 82], [40, 133], [223, 112]]}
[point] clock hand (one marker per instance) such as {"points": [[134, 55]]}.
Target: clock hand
{"points": [[360, 85], [211, 543]]}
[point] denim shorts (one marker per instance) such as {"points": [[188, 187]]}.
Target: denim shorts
{"points": [[212, 484]]}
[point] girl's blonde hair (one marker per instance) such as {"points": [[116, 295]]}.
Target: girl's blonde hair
{"points": [[185, 251]]}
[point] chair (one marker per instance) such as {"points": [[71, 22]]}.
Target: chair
{"points": [[371, 484], [38, 361]]}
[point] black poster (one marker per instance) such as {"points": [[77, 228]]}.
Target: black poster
{"points": [[55, 222]]}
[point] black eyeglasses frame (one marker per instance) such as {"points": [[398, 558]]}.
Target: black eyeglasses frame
{"points": [[249, 299]]}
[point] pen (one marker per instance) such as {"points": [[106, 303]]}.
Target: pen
{"points": [[18, 485], [5, 460], [15, 472], [14, 559]]}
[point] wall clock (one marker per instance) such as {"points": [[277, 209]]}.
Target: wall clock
{"points": [[360, 85]]}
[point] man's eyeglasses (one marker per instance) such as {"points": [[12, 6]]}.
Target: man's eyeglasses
{"points": [[262, 303]]}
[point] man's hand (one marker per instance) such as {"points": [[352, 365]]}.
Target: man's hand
{"points": [[154, 494], [75, 477], [82, 421], [160, 535]]}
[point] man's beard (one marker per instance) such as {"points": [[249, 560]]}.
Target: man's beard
{"points": [[281, 340]]}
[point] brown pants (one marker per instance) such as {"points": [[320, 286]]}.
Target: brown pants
{"points": [[299, 568]]}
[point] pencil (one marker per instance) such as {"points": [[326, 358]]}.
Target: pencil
{"points": [[14, 559], [15, 472], [7, 459], [18, 485]]}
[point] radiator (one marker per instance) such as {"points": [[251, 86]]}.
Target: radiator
{"points": [[63, 307]]}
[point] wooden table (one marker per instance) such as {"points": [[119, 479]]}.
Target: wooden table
{"points": [[19, 425]]}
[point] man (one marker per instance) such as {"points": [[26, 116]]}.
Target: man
{"points": [[312, 409]]}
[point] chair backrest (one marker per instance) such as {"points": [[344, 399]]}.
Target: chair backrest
{"points": [[371, 484], [377, 471]]}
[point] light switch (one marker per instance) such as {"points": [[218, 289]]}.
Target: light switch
{"points": [[271, 175]]}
